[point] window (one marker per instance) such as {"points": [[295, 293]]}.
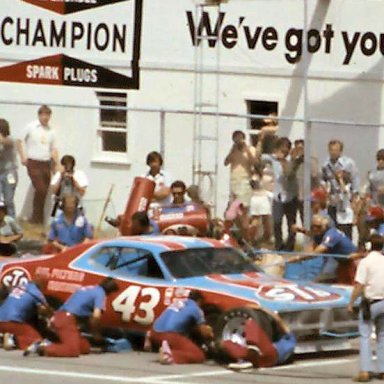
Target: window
{"points": [[261, 107], [128, 261], [112, 131]]}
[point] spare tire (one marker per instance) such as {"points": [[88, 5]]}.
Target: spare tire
{"points": [[233, 322]]}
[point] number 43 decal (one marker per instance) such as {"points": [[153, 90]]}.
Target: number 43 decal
{"points": [[139, 300]]}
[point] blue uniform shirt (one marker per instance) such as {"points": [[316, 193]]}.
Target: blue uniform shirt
{"points": [[179, 317], [83, 302], [72, 234], [20, 305], [338, 243], [285, 347]]}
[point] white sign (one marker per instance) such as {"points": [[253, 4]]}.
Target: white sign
{"points": [[87, 43]]}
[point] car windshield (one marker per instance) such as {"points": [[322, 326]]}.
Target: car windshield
{"points": [[207, 261]]}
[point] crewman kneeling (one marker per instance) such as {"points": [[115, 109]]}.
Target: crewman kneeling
{"points": [[257, 350], [87, 302], [17, 313], [172, 329]]}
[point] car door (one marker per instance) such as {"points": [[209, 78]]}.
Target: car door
{"points": [[143, 294]]}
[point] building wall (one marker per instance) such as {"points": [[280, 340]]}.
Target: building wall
{"points": [[339, 87]]}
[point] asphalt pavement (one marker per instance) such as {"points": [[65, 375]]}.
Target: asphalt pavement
{"points": [[140, 367]]}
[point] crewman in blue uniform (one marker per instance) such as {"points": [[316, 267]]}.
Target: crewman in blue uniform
{"points": [[325, 239], [173, 328], [86, 302], [19, 309]]}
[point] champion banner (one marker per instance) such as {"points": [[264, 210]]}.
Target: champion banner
{"points": [[86, 43]]}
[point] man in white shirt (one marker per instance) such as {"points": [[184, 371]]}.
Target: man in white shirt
{"points": [[162, 193], [369, 282], [37, 149]]}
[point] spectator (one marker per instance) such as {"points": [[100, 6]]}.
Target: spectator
{"points": [[285, 190], [10, 232], [37, 150], [319, 203], [141, 225], [258, 350], [18, 311], [86, 303], [370, 206], [162, 193], [260, 211], [70, 228], [374, 189], [68, 181], [369, 284], [241, 158], [375, 220], [193, 193], [8, 167], [325, 239], [171, 327], [268, 132], [298, 151], [331, 168], [344, 211], [178, 190]]}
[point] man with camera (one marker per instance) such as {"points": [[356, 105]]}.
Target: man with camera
{"points": [[68, 181]]}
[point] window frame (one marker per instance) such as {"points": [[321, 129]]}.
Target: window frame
{"points": [[105, 156]]}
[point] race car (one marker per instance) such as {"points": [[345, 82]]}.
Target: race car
{"points": [[153, 271]]}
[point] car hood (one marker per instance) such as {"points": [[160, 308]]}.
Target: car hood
{"points": [[278, 294]]}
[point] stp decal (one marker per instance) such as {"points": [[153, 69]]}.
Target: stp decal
{"points": [[15, 276], [296, 293]]}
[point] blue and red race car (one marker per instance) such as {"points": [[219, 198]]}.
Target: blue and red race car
{"points": [[152, 272]]}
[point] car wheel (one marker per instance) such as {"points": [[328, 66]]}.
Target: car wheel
{"points": [[231, 324]]}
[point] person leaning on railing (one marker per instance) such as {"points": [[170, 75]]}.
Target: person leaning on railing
{"points": [[326, 239]]}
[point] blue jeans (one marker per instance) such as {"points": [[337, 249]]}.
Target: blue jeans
{"points": [[8, 182], [365, 330]]}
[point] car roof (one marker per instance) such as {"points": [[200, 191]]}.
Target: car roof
{"points": [[164, 243]]}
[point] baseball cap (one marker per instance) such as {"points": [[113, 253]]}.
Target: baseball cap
{"points": [[375, 212], [319, 194]]}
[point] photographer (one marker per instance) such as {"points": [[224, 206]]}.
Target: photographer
{"points": [[68, 181]]}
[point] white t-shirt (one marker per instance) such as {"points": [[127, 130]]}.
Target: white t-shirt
{"points": [[161, 179], [370, 274], [39, 141], [78, 175]]}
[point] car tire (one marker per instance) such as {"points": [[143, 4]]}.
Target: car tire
{"points": [[233, 321]]}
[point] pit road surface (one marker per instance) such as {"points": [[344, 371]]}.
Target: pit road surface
{"points": [[135, 368]]}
